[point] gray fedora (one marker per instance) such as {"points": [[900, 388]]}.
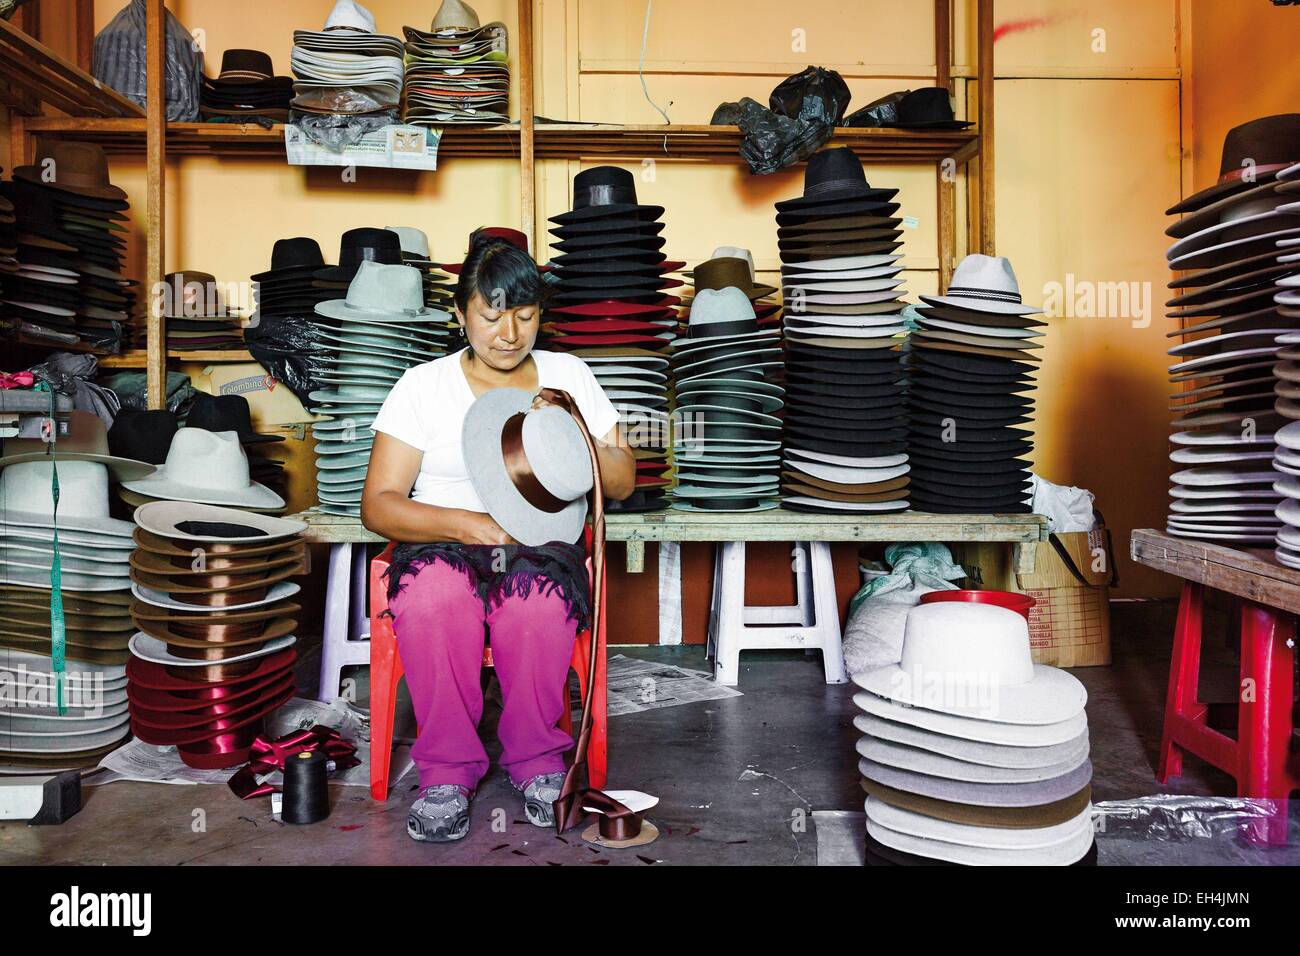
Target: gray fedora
{"points": [[550, 504]]}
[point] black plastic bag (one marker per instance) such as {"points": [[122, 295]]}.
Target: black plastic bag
{"points": [[771, 141], [817, 95], [286, 346], [881, 112]]}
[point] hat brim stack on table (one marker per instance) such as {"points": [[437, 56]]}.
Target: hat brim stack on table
{"points": [[969, 364], [376, 333], [844, 438], [213, 655], [69, 241], [93, 556], [347, 68], [726, 437], [611, 308], [1229, 404], [246, 87], [197, 316], [1286, 457], [457, 73], [8, 245], [971, 754]]}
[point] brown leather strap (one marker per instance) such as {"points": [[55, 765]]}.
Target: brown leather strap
{"points": [[568, 808], [520, 469]]}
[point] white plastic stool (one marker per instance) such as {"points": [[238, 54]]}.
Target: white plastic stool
{"points": [[346, 639], [811, 624]]}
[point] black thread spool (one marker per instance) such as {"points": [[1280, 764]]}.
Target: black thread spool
{"points": [[306, 794]]}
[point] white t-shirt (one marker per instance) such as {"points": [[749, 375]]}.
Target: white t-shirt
{"points": [[427, 407]]}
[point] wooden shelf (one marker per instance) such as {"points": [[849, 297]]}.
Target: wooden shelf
{"points": [[33, 75], [138, 358], [553, 140]]}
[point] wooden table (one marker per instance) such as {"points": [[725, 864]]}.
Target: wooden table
{"points": [[1253, 574], [1020, 531]]}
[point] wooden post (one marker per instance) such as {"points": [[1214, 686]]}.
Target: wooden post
{"points": [[85, 21], [527, 176], [987, 80], [155, 223], [945, 174]]}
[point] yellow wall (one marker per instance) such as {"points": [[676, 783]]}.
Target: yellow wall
{"points": [[1089, 102]]}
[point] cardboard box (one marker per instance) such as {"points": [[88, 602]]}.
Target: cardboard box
{"points": [[1069, 626]]}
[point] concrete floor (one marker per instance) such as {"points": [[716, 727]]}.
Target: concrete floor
{"points": [[738, 779]]}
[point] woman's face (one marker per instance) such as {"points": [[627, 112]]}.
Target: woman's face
{"points": [[500, 337]]}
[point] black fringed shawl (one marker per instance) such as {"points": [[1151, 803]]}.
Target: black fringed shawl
{"points": [[500, 571]]}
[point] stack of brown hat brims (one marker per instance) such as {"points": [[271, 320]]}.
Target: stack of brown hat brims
{"points": [[213, 655]]}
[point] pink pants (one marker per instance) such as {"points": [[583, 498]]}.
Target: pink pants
{"points": [[439, 621]]}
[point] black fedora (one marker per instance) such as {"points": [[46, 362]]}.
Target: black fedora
{"points": [[927, 108], [835, 176], [292, 259], [142, 435], [604, 192], [362, 245], [225, 413]]}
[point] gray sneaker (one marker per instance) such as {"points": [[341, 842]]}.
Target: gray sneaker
{"points": [[439, 815], [539, 793]]}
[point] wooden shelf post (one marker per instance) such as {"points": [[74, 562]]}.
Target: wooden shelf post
{"points": [[527, 156], [155, 219], [987, 81]]}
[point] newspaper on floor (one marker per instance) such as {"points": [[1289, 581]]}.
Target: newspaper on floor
{"points": [[147, 763], [636, 685]]}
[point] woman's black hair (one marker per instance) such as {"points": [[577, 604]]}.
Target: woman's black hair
{"points": [[502, 273]]}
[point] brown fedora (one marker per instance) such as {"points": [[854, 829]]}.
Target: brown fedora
{"points": [[1253, 153], [185, 548], [223, 635], [216, 590], [143, 611], [77, 168], [728, 271], [184, 566]]}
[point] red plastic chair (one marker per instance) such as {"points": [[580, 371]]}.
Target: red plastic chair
{"points": [[386, 671]]}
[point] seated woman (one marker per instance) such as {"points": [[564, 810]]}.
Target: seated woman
{"points": [[456, 573]]}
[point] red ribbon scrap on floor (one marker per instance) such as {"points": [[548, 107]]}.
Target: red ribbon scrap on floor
{"points": [[267, 756]]}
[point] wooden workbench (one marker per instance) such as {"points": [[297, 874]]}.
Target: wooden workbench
{"points": [[776, 525], [1251, 574]]}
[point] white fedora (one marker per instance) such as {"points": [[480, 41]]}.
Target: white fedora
{"points": [[970, 728], [984, 284], [208, 468], [973, 660], [970, 751], [556, 454], [380, 294], [279, 591], [902, 820], [350, 15], [415, 243], [1063, 853], [904, 757], [26, 501]]}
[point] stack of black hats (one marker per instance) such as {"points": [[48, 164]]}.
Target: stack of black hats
{"points": [[611, 308], [969, 365], [198, 316], [726, 439], [845, 422], [1234, 372], [289, 287], [67, 287], [8, 242], [247, 86]]}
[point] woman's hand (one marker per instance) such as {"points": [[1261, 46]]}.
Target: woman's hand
{"points": [[479, 528]]}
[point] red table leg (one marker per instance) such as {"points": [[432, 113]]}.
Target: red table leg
{"points": [[1265, 715], [1184, 672]]}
